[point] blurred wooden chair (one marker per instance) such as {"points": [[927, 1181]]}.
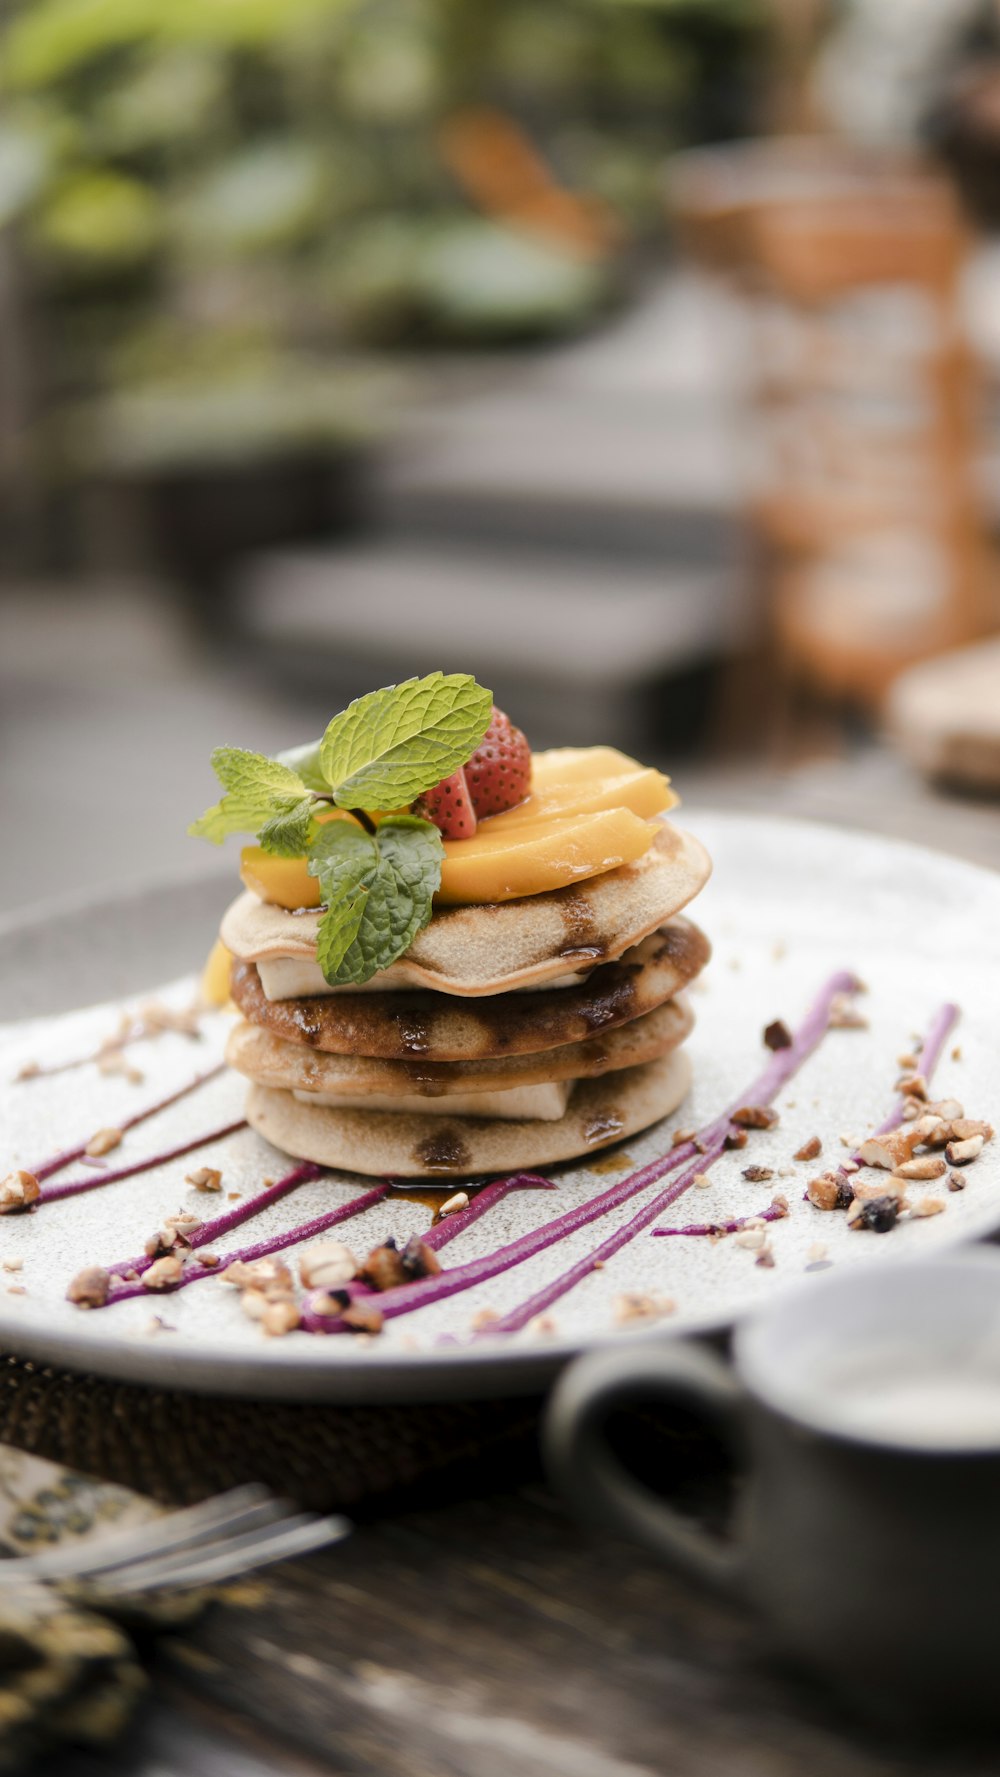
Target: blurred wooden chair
{"points": [[862, 393]]}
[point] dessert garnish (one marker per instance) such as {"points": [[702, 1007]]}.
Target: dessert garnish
{"points": [[377, 877]]}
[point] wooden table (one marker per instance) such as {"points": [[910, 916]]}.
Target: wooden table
{"points": [[490, 1635]]}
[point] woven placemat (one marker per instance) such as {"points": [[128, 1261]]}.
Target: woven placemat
{"points": [[179, 1447]]}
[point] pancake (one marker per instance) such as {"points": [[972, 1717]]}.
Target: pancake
{"points": [[426, 1027], [499, 947], [406, 1145], [269, 1060]]}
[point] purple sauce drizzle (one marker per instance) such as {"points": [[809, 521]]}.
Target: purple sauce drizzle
{"points": [[705, 1230], [58, 1161], [73, 1187], [703, 1148]]}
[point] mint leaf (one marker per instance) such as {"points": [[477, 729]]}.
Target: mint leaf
{"points": [[379, 890], [387, 748], [257, 790], [305, 761], [288, 831]]}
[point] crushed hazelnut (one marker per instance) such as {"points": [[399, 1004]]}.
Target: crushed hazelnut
{"points": [[18, 1191], [755, 1116], [89, 1288], [279, 1318], [325, 1264], [736, 1138], [544, 1325], [757, 1175], [810, 1150], [830, 1191], [928, 1206], [208, 1260], [777, 1035], [454, 1204], [635, 1305], [779, 1204], [13, 1264], [765, 1258], [205, 1178], [362, 1318], [925, 1166], [163, 1272], [701, 1181], [419, 1259], [956, 1182], [877, 1214], [383, 1268], [891, 1150], [751, 1238], [103, 1142], [844, 1014], [680, 1136], [912, 1086], [960, 1153], [483, 1319]]}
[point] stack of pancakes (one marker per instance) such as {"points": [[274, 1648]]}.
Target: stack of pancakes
{"points": [[508, 1036]]}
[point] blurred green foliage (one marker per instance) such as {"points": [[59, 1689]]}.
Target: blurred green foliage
{"points": [[262, 178]]}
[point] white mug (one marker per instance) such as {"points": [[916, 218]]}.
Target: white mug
{"points": [[862, 1417]]}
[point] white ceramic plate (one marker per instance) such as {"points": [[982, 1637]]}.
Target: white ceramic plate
{"points": [[788, 904]]}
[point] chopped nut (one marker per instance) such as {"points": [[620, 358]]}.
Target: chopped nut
{"points": [[332, 1302], [205, 1178], [268, 1276], [419, 1259], [912, 1107], [947, 1107], [484, 1319], [778, 1035], [964, 1127], [755, 1116], [830, 1191], [163, 1272], [817, 1251], [877, 1214], [89, 1288], [891, 1150], [912, 1086], [103, 1142], [280, 1318], [925, 1166], [325, 1264], [383, 1269], [928, 1206], [757, 1175], [810, 1150], [736, 1138], [183, 1223], [18, 1191], [765, 1258], [871, 1191], [752, 1238], [960, 1153], [682, 1135], [208, 1260], [362, 1318], [544, 1324], [454, 1204], [956, 1182], [701, 1181], [909, 1063], [253, 1304], [779, 1204], [844, 1014], [30, 1071], [635, 1305], [956, 1054], [13, 1264]]}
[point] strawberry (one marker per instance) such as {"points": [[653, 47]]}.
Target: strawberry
{"points": [[449, 806], [498, 776], [499, 773]]}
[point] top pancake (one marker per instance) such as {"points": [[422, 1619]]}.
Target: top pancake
{"points": [[504, 945]]}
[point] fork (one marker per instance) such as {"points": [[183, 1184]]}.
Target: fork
{"points": [[199, 1545]]}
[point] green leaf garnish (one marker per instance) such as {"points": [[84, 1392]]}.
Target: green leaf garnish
{"points": [[381, 753], [387, 748], [379, 889], [259, 791]]}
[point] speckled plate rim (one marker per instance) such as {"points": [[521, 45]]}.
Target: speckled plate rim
{"points": [[44, 959]]}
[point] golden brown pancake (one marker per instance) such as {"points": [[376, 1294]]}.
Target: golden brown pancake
{"points": [[272, 1061], [407, 1145], [424, 1026], [486, 950]]}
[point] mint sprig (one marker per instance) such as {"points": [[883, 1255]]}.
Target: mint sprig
{"points": [[263, 796], [379, 754], [379, 888]]}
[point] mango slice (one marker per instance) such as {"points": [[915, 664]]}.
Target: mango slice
{"points": [[590, 809], [215, 975], [541, 855]]}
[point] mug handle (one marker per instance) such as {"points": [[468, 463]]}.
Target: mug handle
{"points": [[583, 1466]]}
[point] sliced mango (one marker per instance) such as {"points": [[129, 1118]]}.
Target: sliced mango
{"points": [[215, 975], [590, 809], [644, 791], [541, 855]]}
